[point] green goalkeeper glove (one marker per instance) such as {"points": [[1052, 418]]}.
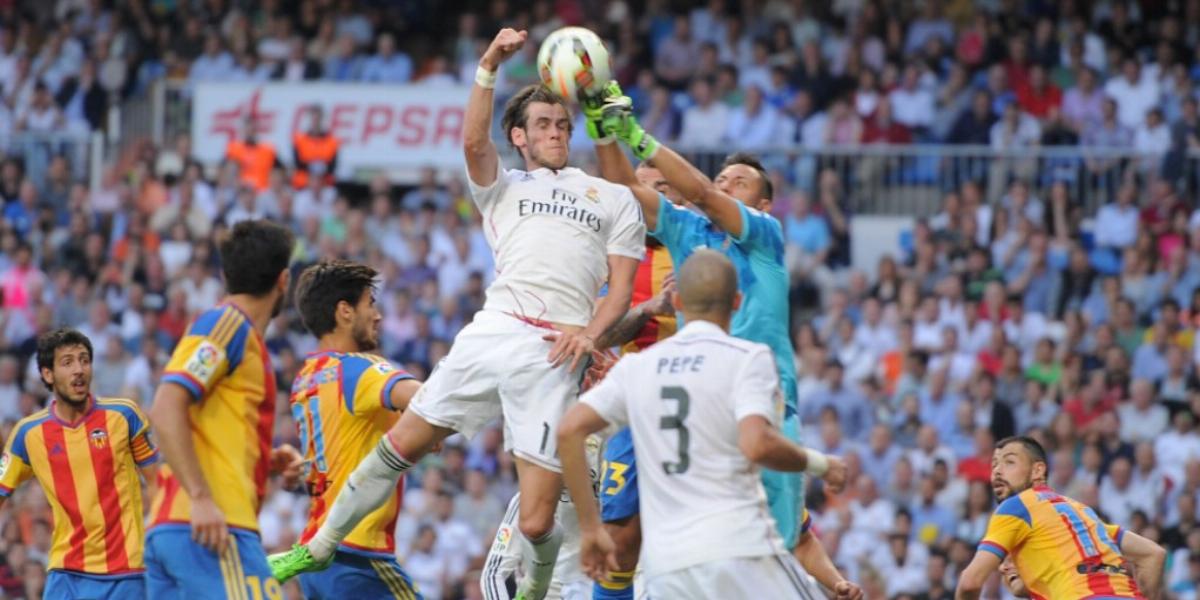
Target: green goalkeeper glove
{"points": [[593, 112], [618, 121]]}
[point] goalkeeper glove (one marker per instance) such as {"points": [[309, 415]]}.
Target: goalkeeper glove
{"points": [[593, 112], [618, 121]]}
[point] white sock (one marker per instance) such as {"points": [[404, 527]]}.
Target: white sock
{"points": [[539, 566], [369, 486]]}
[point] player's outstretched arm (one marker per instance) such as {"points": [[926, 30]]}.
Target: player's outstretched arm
{"points": [[1148, 559], [970, 583], [597, 550], [763, 444], [170, 420], [614, 165], [815, 560], [724, 210], [480, 152]]}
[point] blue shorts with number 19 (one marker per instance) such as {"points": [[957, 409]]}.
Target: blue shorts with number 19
{"points": [[178, 568], [354, 575], [619, 490]]}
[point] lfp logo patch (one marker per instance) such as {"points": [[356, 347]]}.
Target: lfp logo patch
{"points": [[204, 361]]}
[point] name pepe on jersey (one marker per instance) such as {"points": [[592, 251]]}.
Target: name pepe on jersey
{"points": [[573, 211]]}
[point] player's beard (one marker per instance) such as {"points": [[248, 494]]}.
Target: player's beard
{"points": [[68, 392], [1007, 488], [538, 158], [365, 336]]}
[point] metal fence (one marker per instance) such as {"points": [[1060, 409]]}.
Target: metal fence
{"points": [[912, 179], [873, 179], [82, 150]]}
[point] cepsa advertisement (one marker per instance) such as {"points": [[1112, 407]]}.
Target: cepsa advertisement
{"points": [[379, 126]]}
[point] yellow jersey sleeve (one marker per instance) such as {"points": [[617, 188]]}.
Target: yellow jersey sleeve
{"points": [[14, 463], [211, 349], [367, 383], [1010, 525]]}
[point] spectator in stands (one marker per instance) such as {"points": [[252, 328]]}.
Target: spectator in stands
{"points": [[675, 56], [387, 65], [215, 64], [704, 122], [755, 125], [1134, 93], [297, 66], [912, 103]]}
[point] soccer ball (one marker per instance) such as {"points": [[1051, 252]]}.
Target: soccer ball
{"points": [[573, 63]]}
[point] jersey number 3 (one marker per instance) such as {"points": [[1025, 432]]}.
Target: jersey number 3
{"points": [[675, 421]]}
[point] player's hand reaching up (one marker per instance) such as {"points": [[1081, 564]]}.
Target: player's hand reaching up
{"points": [[835, 477], [597, 553], [569, 345], [503, 47], [847, 591], [661, 305], [287, 462], [208, 525]]}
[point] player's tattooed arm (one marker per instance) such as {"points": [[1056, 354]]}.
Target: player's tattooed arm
{"points": [[597, 552], [628, 327], [615, 167], [480, 152]]}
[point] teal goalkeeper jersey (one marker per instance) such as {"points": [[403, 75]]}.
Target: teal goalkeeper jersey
{"points": [[757, 254]]}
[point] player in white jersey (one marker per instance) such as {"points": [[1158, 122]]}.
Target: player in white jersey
{"points": [[703, 408], [504, 557], [558, 236]]}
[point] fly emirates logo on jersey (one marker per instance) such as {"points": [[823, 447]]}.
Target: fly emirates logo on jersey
{"points": [[566, 205]]}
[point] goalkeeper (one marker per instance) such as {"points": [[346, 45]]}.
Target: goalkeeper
{"points": [[735, 222]]}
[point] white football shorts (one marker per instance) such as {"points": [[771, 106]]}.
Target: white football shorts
{"points": [[498, 366]]}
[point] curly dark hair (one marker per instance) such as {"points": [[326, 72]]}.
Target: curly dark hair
{"points": [[322, 286], [49, 343]]}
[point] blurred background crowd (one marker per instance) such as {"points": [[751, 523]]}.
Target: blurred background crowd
{"points": [[1014, 307]]}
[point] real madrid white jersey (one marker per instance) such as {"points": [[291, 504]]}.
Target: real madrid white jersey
{"points": [[551, 233], [701, 499]]}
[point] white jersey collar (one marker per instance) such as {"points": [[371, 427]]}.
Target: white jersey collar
{"points": [[699, 327]]}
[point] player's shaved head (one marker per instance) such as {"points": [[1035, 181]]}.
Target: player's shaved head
{"points": [[707, 286]]}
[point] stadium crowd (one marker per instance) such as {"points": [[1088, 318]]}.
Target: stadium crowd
{"points": [[1010, 310]]}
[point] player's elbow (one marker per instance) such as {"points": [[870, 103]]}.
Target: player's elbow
{"points": [[971, 582], [754, 443]]}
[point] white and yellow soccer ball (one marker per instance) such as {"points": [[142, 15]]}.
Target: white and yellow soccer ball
{"points": [[573, 63]]}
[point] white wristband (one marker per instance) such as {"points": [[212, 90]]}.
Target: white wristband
{"points": [[484, 78], [818, 464]]}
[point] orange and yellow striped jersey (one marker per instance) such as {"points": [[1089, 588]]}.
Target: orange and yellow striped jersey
{"points": [[647, 283], [342, 407], [222, 362], [1060, 547], [89, 472]]}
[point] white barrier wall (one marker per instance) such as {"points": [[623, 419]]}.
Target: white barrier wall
{"points": [[380, 126]]}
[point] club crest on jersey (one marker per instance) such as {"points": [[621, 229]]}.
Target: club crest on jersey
{"points": [[99, 438], [592, 194], [204, 361]]}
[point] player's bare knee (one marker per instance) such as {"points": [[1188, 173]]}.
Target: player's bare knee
{"points": [[535, 524]]}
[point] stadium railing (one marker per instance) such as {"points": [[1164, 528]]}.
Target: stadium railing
{"points": [[83, 150], [873, 178]]}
